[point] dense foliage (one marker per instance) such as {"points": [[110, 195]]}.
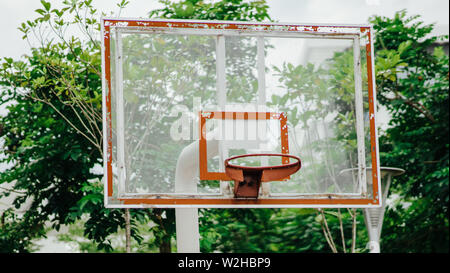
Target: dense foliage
{"points": [[413, 82], [51, 136]]}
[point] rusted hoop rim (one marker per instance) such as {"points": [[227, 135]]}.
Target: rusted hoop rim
{"points": [[290, 165]]}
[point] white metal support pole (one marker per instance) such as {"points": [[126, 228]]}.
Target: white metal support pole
{"points": [[373, 217], [374, 246], [186, 219], [188, 236]]}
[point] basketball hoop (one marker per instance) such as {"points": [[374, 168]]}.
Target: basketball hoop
{"points": [[247, 179]]}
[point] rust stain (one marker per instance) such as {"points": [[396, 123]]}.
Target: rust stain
{"points": [[373, 143], [107, 60], [234, 26]]}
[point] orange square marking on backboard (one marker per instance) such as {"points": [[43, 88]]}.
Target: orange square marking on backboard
{"points": [[204, 115]]}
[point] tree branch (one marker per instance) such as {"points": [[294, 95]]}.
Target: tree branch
{"points": [[326, 232], [342, 230], [416, 105]]}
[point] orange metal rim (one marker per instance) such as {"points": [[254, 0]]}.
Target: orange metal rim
{"points": [[298, 162]]}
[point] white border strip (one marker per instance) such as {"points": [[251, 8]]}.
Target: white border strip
{"points": [[120, 115], [234, 32], [143, 206], [104, 117], [362, 176]]}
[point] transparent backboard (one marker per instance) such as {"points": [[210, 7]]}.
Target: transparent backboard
{"points": [[180, 97]]}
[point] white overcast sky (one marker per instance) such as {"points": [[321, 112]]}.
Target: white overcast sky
{"points": [[14, 12]]}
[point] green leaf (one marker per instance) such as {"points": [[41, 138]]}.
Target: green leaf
{"points": [[41, 11], [123, 4], [37, 107], [27, 142], [38, 82], [439, 52], [90, 198], [45, 18], [46, 5], [75, 154]]}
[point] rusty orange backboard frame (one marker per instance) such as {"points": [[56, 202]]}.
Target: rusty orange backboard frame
{"points": [[107, 24]]}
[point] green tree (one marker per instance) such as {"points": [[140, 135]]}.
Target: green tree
{"points": [[413, 82], [52, 134], [228, 10]]}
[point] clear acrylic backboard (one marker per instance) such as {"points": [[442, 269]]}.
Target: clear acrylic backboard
{"points": [[180, 97]]}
